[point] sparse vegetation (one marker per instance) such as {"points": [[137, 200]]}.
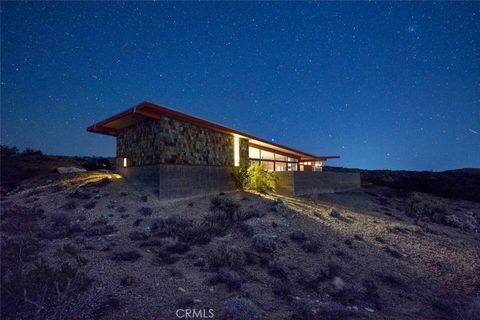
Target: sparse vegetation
{"points": [[264, 243], [221, 254], [126, 255], [239, 309]]}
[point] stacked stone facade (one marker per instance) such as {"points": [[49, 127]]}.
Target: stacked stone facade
{"points": [[169, 141]]}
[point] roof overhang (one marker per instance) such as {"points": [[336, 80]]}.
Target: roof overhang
{"points": [[147, 110]]}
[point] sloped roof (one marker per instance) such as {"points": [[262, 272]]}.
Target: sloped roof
{"points": [[144, 110]]}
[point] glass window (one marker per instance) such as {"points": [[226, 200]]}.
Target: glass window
{"points": [[266, 155], [280, 157], [267, 165], [280, 166], [292, 159], [292, 166], [253, 153]]}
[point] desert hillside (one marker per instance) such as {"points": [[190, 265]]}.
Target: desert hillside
{"points": [[90, 246]]}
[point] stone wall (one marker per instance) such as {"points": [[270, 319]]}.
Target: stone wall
{"points": [[169, 141]]}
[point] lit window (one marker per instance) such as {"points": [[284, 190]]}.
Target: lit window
{"points": [[292, 167], [280, 166], [280, 157], [253, 153], [267, 155], [236, 151], [267, 165], [124, 162]]}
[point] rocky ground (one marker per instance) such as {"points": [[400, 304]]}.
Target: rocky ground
{"points": [[90, 246]]}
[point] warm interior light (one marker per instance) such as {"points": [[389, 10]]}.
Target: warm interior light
{"points": [[236, 151], [124, 162]]}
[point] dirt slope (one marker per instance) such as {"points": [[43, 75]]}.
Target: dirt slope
{"points": [[127, 255]]}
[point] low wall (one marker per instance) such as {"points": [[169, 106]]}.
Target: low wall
{"points": [[299, 183], [179, 181]]}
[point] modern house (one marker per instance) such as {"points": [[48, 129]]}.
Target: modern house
{"points": [[174, 155]]}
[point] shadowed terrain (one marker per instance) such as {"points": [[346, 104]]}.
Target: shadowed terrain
{"points": [[90, 246]]}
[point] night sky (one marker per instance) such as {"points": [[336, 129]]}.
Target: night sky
{"points": [[383, 85]]}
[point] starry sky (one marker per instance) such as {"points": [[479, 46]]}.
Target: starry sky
{"points": [[383, 85]]}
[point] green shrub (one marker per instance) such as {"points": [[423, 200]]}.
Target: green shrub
{"points": [[258, 179], [240, 175]]}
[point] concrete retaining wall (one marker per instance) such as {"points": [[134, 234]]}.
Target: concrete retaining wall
{"points": [[179, 181], [301, 183]]}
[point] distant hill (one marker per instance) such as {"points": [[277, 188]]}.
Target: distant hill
{"points": [[456, 184]]}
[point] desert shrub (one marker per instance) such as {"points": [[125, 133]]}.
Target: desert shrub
{"points": [[303, 310], [33, 289], [177, 247], [8, 151], [79, 194], [100, 231], [32, 152], [418, 207], [90, 205], [333, 269], [371, 293], [126, 255], [97, 163], [137, 222], [60, 218], [469, 311], [298, 236], [138, 235], [239, 309], [144, 198], [105, 306], [228, 206], [240, 176], [184, 301], [127, 281], [282, 289], [100, 221], [311, 246], [165, 257], [218, 220], [121, 209], [258, 179], [264, 243], [145, 211], [69, 205], [392, 280], [246, 229], [70, 249], [156, 224], [220, 254], [230, 278], [278, 268]]}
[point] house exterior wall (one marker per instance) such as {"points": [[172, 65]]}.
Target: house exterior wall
{"points": [[169, 141], [179, 181], [300, 183]]}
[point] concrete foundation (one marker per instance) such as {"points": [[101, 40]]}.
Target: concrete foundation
{"points": [[179, 181], [300, 183]]}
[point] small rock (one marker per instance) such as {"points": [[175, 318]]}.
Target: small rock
{"points": [[338, 283], [369, 310]]}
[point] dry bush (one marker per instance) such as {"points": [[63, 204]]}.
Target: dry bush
{"points": [[32, 288], [237, 308], [264, 243], [126, 255], [221, 254]]}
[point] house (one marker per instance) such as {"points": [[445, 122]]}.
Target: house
{"points": [[173, 154]]}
